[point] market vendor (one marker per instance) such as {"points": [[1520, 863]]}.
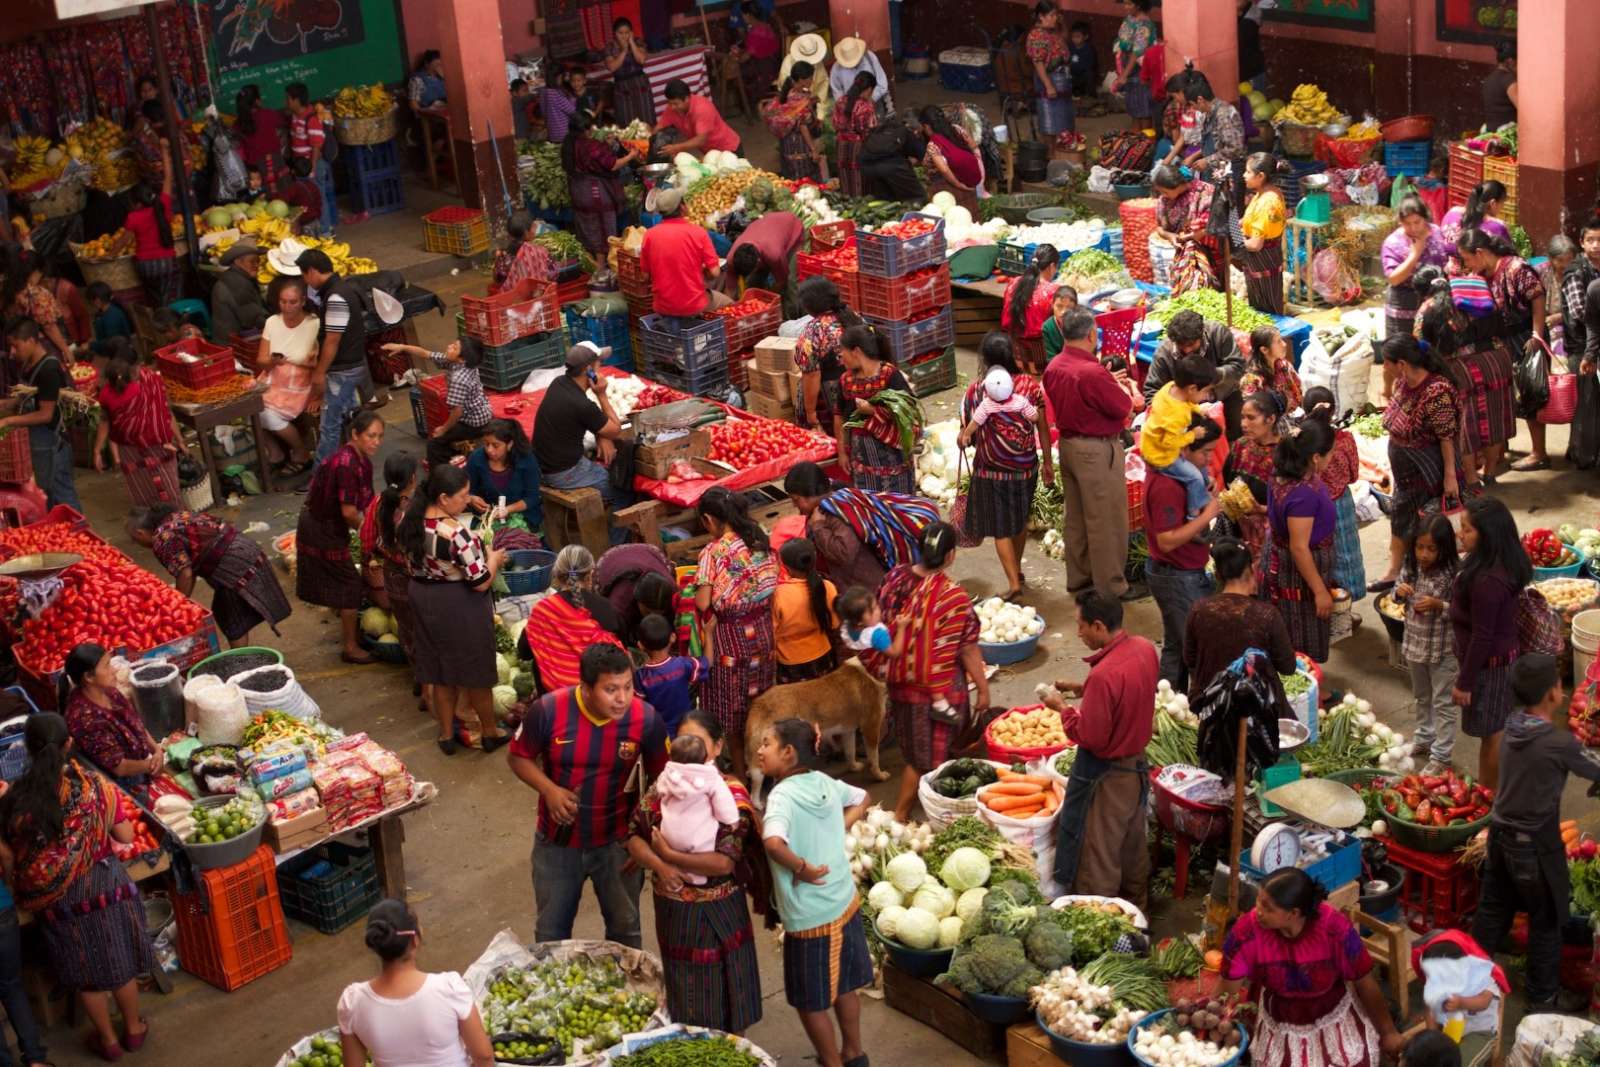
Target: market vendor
{"points": [[638, 580], [286, 358], [679, 258], [951, 158], [565, 415], [889, 155], [1320, 1004], [137, 419], [40, 412], [1527, 866], [764, 258], [522, 258], [593, 183], [851, 58], [1188, 334], [244, 588], [336, 501], [1046, 51], [236, 306], [1500, 87], [23, 294], [581, 749], [1100, 836], [1221, 136], [562, 625], [425, 89], [1062, 300], [1413, 244], [698, 120], [105, 726], [874, 453], [150, 142], [1029, 301], [1263, 225], [502, 467], [1183, 209], [811, 48]]}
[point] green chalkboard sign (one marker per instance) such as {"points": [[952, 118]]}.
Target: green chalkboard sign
{"points": [[328, 44], [1335, 14]]}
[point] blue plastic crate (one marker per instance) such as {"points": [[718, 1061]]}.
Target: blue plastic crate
{"points": [[609, 331], [908, 339], [378, 196], [1410, 158], [329, 887], [964, 78], [889, 256], [504, 367], [686, 344], [363, 162], [709, 380], [13, 755], [1339, 867]]}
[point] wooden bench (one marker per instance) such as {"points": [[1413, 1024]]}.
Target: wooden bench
{"points": [[579, 517]]}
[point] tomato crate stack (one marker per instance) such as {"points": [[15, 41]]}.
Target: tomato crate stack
{"points": [[504, 367], [691, 357], [931, 372], [634, 283], [905, 296], [529, 308], [231, 929], [1466, 171], [898, 248], [833, 256], [607, 331], [194, 363], [459, 231], [757, 314]]}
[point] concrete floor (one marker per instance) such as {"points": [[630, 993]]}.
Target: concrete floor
{"points": [[468, 853]]}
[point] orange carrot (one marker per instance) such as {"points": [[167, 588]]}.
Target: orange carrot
{"points": [[1028, 811], [1051, 802], [1015, 789], [1011, 803], [1034, 779]]}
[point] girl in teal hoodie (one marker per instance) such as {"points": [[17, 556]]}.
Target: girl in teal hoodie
{"points": [[825, 957]]}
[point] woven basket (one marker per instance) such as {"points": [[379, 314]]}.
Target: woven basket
{"points": [[117, 273], [375, 130], [62, 198], [1297, 140]]}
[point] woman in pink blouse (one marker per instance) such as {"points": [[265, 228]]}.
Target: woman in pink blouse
{"points": [[1320, 1004]]}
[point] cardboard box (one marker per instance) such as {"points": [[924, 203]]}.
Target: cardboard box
{"points": [[286, 835], [767, 407], [774, 384], [655, 460], [776, 354]]}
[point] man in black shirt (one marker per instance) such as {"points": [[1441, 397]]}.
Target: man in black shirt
{"points": [[565, 415], [48, 447]]}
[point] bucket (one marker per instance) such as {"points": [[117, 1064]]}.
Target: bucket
{"points": [[1002, 134], [1585, 642]]}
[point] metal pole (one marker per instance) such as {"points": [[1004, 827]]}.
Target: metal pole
{"points": [[1237, 839], [177, 144]]}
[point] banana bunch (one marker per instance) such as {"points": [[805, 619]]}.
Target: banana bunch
{"points": [[365, 102], [37, 161], [338, 253], [267, 230], [1365, 130], [1308, 106], [107, 246]]}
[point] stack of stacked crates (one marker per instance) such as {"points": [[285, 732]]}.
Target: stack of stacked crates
{"points": [[905, 296], [373, 171], [690, 355], [519, 331]]}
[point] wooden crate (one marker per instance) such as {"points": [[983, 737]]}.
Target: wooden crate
{"points": [[655, 460], [774, 384], [1027, 1046], [776, 354], [770, 407], [975, 314], [943, 1010]]}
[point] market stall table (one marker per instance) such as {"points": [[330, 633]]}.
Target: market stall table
{"points": [[386, 837], [688, 64], [202, 420]]}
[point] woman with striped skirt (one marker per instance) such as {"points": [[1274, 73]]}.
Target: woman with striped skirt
{"points": [[1339, 472], [1046, 48], [1263, 223], [625, 58], [1134, 37], [854, 116], [1480, 361], [136, 418], [703, 927]]}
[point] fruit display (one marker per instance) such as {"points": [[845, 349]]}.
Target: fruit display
{"points": [[1392, 608], [214, 825], [745, 443], [585, 1004], [38, 162], [229, 216], [522, 1049], [1447, 799], [144, 839], [344, 264], [1034, 728], [1308, 106], [1567, 595], [106, 247], [322, 1051], [1365, 130], [362, 102], [103, 146], [1545, 549]]}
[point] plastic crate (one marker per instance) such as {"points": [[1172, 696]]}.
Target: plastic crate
{"points": [[610, 331], [1339, 867], [825, 236], [888, 256], [631, 277], [16, 461], [380, 195], [931, 372], [685, 344], [364, 161], [708, 380], [573, 289], [1014, 258], [907, 339], [1135, 506], [460, 231], [1466, 171], [1503, 169], [529, 308], [966, 70], [638, 308], [231, 929], [847, 278], [744, 331], [329, 887], [905, 298], [1410, 158], [13, 753], [207, 364], [504, 367], [1438, 892]]}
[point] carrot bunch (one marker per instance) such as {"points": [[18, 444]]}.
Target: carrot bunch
{"points": [[1021, 796]]}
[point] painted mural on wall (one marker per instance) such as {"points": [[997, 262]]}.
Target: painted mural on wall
{"points": [[327, 44], [1336, 14], [1484, 21]]}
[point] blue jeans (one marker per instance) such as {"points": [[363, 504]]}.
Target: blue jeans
{"points": [[558, 876], [587, 474], [1175, 591], [51, 453], [322, 172], [1194, 484], [29, 1045], [340, 397]]}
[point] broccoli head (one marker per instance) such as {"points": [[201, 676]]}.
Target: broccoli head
{"points": [[996, 961], [1022, 885], [1020, 985], [1048, 945], [1005, 911]]}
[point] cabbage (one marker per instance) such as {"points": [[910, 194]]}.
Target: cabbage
{"points": [[883, 895], [917, 929], [934, 899], [968, 903], [957, 216], [907, 872], [889, 920], [945, 199], [685, 161], [965, 868], [504, 697], [374, 622], [502, 667], [949, 931], [515, 630]]}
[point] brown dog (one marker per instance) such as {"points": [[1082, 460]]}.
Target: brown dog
{"points": [[839, 703]]}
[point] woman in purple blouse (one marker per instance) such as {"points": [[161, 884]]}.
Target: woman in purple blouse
{"points": [[1299, 555], [1414, 244]]}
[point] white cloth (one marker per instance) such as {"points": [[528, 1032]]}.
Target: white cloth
{"points": [[841, 77], [695, 801], [1464, 977], [422, 1030], [297, 345]]}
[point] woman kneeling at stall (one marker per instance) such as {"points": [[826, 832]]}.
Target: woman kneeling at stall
{"points": [[190, 544], [336, 500]]}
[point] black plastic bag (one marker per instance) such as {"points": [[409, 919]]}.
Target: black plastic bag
{"points": [[1247, 691], [1533, 382], [1583, 445]]}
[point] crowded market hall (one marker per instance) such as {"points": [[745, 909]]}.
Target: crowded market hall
{"points": [[1089, 503]]}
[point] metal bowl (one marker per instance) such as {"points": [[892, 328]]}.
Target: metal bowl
{"points": [[654, 172], [1292, 733], [1315, 183], [39, 564], [1335, 129]]}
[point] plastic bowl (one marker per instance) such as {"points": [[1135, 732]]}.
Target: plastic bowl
{"points": [[918, 962], [1010, 651], [1378, 903], [1087, 1053], [387, 651], [1155, 1017], [998, 1011], [234, 850], [533, 573], [1131, 192], [1542, 574], [1395, 627]]}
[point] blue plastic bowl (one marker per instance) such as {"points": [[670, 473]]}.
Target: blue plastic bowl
{"points": [[533, 573], [1541, 574], [998, 1011], [1087, 1053], [1155, 1017], [918, 962], [1009, 652], [1131, 192]]}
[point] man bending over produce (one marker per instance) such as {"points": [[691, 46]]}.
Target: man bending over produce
{"points": [[1189, 334]]}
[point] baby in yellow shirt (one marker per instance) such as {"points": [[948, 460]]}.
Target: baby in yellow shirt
{"points": [[1166, 429]]}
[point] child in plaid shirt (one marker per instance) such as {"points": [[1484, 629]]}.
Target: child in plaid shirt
{"points": [[1426, 578]]}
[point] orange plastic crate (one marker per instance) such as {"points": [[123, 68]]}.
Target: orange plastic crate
{"points": [[1466, 171], [456, 231], [529, 308], [206, 364], [231, 930], [900, 299], [631, 275], [1503, 169]]}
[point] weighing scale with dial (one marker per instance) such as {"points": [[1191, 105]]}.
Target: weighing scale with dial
{"points": [[1330, 807]]}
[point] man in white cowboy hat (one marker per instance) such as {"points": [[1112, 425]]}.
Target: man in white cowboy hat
{"points": [[851, 56], [810, 48]]}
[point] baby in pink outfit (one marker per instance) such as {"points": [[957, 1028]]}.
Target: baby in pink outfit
{"points": [[694, 800]]}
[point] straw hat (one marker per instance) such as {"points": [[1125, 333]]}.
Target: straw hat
{"points": [[808, 48], [849, 52]]}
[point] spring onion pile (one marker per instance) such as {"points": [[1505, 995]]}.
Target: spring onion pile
{"points": [[1133, 977], [563, 245], [1173, 742], [1090, 263], [1211, 306], [1176, 957], [1081, 1010], [903, 408], [1369, 426]]}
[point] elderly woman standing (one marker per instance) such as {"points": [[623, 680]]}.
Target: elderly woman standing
{"points": [[1483, 618], [737, 576], [1183, 209], [1300, 555], [103, 723], [562, 625], [1005, 469], [1134, 37], [1415, 243], [336, 501], [1424, 423], [135, 417], [873, 454], [57, 823], [194, 544]]}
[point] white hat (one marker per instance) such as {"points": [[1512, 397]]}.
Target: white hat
{"points": [[850, 51], [390, 311], [997, 383], [808, 47], [283, 257]]}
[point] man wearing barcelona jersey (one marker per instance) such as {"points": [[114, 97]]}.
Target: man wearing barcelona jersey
{"points": [[581, 749]]}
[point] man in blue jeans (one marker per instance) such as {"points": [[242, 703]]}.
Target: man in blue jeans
{"points": [[581, 749], [30, 1046], [1176, 569], [38, 415], [341, 371]]}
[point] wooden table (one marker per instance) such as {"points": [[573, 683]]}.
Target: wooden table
{"points": [[202, 421], [386, 836]]}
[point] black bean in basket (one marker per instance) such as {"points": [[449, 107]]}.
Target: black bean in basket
{"points": [[228, 666], [266, 681]]}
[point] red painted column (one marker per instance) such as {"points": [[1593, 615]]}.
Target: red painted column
{"points": [[866, 19], [1207, 32], [475, 75], [1558, 92]]}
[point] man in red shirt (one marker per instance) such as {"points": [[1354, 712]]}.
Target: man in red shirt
{"points": [[306, 136], [698, 119], [1176, 570], [678, 258], [1100, 837], [1090, 409]]}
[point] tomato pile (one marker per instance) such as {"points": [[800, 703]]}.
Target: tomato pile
{"points": [[906, 228], [106, 599], [1545, 549], [143, 839], [837, 258], [654, 395], [745, 443], [747, 306], [1447, 799]]}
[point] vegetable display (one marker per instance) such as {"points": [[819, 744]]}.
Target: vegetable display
{"points": [[1091, 263], [1369, 426], [1001, 622], [968, 831], [689, 1052], [962, 777], [1351, 737], [1021, 796], [1176, 957], [1172, 741], [1585, 876], [1194, 1034], [563, 245], [906, 228], [902, 409], [1134, 978], [1080, 1010], [582, 1003], [1545, 549], [544, 179], [1035, 728], [215, 825], [1447, 799], [878, 840], [745, 443], [1568, 594], [1212, 306]]}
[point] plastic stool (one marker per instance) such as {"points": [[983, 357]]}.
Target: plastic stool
{"points": [[190, 306]]}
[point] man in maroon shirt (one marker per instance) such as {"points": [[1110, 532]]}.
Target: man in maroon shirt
{"points": [[764, 257], [1100, 837], [1090, 410], [1176, 569]]}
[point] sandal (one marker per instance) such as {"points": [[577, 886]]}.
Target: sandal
{"points": [[293, 470], [348, 658], [1531, 464], [447, 745], [110, 1053], [134, 1042]]}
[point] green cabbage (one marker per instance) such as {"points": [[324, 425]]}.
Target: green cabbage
{"points": [[883, 895], [502, 667], [949, 931], [965, 868], [970, 902], [917, 929], [889, 921], [375, 622], [504, 697], [934, 899], [907, 872]]}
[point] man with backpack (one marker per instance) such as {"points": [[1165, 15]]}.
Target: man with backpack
{"points": [[309, 140], [888, 155]]}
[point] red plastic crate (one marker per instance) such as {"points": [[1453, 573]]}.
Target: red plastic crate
{"points": [[828, 235], [630, 274], [744, 331], [846, 278], [904, 298], [639, 306], [529, 308], [1438, 891], [231, 930], [246, 347], [210, 365], [16, 462], [573, 289], [1135, 506]]}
